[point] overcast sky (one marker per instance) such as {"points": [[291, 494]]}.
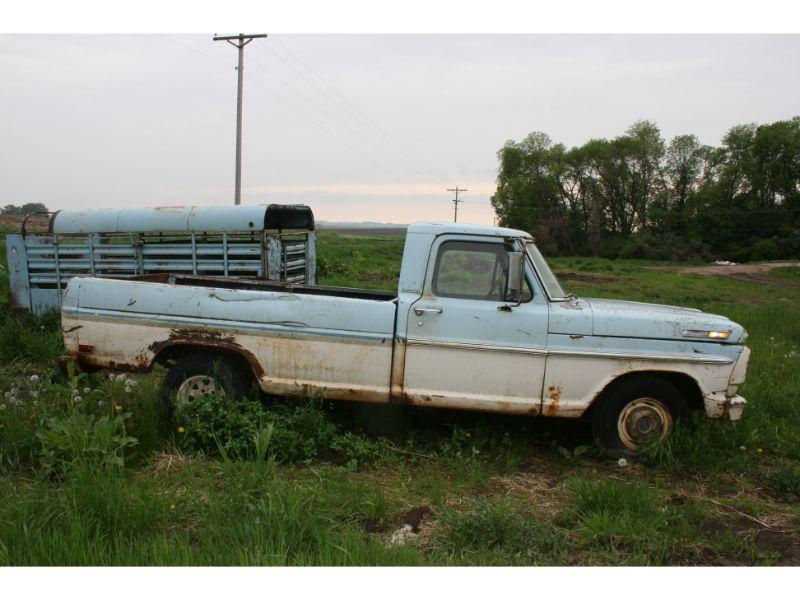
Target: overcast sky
{"points": [[358, 127]]}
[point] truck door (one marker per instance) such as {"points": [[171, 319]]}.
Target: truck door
{"points": [[461, 350]]}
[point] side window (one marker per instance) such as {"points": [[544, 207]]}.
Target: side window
{"points": [[475, 270]]}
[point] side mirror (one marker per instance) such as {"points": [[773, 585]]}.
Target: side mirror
{"points": [[516, 277]]}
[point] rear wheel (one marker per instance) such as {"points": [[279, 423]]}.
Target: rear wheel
{"points": [[200, 375], [638, 413]]}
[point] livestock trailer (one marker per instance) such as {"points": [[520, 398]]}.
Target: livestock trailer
{"points": [[272, 242]]}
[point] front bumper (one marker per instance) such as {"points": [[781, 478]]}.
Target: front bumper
{"points": [[729, 404], [720, 406]]}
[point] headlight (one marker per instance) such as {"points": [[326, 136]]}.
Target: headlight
{"points": [[701, 333]]}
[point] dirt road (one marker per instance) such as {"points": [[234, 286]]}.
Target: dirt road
{"points": [[751, 273]]}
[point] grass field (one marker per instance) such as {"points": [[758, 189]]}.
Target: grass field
{"points": [[89, 474]]}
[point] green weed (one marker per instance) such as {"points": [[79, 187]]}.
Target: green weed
{"points": [[495, 532]]}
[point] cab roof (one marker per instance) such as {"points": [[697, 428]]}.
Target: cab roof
{"points": [[441, 227]]}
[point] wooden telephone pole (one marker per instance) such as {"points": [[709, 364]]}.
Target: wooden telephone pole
{"points": [[456, 201], [240, 42]]}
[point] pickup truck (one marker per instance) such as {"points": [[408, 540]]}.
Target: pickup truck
{"points": [[478, 322]]}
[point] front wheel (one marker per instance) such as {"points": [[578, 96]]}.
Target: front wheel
{"points": [[638, 413]]}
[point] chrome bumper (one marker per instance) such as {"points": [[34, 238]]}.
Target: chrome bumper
{"points": [[720, 406]]}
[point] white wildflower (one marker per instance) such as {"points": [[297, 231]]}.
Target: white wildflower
{"points": [[622, 462], [742, 448], [34, 394], [100, 403], [34, 378], [86, 390], [77, 399], [133, 382], [75, 393], [7, 395], [2, 406]]}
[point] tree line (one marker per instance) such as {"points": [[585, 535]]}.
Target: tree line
{"points": [[25, 209], [639, 196]]}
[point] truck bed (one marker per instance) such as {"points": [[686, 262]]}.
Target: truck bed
{"points": [[268, 286], [295, 337]]}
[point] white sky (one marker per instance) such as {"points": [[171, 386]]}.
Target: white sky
{"points": [[145, 120]]}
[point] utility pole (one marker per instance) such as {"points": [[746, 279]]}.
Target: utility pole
{"points": [[241, 41], [456, 201]]}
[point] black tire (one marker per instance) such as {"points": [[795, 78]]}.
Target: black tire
{"points": [[222, 371], [643, 400]]}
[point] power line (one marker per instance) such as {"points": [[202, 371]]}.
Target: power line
{"points": [[339, 121], [357, 113], [322, 127], [347, 110], [292, 105], [195, 50], [279, 98], [241, 41], [456, 201]]}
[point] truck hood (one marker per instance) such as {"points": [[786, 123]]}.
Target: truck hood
{"points": [[619, 318]]}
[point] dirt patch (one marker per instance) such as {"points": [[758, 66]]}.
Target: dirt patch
{"points": [[749, 273], [587, 277], [375, 526], [780, 543], [414, 517], [772, 541], [410, 529], [763, 280], [738, 527]]}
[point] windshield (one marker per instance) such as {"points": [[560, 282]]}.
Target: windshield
{"points": [[551, 285]]}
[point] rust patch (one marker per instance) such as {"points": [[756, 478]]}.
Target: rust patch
{"points": [[396, 390], [204, 339], [553, 395], [202, 335], [86, 363], [18, 302]]}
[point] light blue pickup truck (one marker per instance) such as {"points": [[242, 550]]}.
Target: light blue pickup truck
{"points": [[479, 322]]}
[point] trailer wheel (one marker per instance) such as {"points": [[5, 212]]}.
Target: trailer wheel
{"points": [[199, 375], [636, 413]]}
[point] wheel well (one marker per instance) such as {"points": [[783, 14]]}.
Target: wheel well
{"points": [[685, 384], [170, 354]]}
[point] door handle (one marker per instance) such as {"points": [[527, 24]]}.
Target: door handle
{"points": [[421, 310]]}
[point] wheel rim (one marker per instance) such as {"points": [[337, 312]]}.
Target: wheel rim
{"points": [[644, 420], [197, 386]]}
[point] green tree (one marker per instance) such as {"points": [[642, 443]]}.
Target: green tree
{"points": [[636, 195], [25, 209]]}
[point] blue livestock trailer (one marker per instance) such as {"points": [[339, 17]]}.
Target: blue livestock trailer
{"points": [[272, 242]]}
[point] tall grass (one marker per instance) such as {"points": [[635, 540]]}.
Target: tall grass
{"points": [[233, 514]]}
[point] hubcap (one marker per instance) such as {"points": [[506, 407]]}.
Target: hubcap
{"points": [[196, 386], [644, 420]]}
